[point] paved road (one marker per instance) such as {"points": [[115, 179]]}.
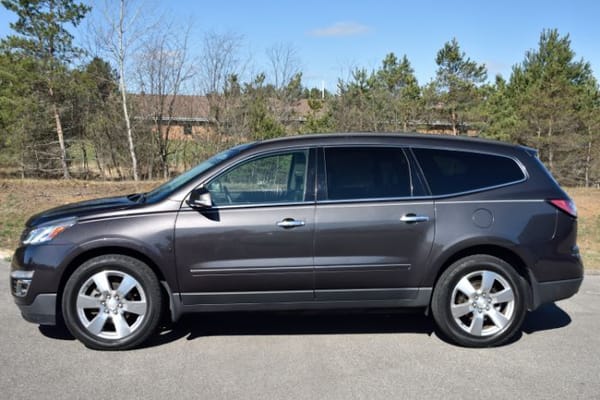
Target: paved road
{"points": [[309, 356]]}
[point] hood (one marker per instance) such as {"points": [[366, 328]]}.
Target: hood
{"points": [[82, 209]]}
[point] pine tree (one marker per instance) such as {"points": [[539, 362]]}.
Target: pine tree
{"points": [[41, 34], [548, 90], [457, 83]]}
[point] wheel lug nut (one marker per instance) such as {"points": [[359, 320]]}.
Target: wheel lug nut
{"points": [[121, 305], [115, 311], [106, 310]]}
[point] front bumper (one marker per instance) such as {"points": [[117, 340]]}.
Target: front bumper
{"points": [[34, 280], [41, 311]]}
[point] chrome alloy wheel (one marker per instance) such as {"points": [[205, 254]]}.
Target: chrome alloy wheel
{"points": [[111, 304], [482, 303]]}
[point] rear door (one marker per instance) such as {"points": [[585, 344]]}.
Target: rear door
{"points": [[373, 232]]}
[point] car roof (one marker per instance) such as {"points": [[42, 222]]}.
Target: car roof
{"points": [[406, 139]]}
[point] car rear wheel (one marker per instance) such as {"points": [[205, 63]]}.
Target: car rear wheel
{"points": [[112, 302], [479, 302]]}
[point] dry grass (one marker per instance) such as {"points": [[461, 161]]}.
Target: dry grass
{"points": [[588, 209], [19, 199]]}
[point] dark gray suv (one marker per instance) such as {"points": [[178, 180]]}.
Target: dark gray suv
{"points": [[475, 232]]}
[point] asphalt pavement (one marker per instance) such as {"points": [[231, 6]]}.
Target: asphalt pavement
{"points": [[334, 355]]}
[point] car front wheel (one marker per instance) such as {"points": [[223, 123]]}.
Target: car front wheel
{"points": [[479, 302], [112, 302]]}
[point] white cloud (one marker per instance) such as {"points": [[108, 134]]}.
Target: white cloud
{"points": [[341, 29]]}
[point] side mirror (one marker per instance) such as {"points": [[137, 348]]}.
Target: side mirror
{"points": [[200, 198]]}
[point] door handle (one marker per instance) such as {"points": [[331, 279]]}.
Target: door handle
{"points": [[412, 218], [289, 223]]}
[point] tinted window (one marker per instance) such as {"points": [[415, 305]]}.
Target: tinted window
{"points": [[271, 179], [450, 171], [366, 173]]}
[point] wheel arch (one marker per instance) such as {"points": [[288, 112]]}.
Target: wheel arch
{"points": [[100, 251], [495, 250]]}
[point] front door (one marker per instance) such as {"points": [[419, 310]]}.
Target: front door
{"points": [[256, 243], [373, 238]]}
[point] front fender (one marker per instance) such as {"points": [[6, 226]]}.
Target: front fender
{"points": [[161, 257]]}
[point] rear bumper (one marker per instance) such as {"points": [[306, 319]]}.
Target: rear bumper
{"points": [[41, 311], [548, 292]]}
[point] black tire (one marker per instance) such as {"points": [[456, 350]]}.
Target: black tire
{"points": [[486, 321], [121, 317]]}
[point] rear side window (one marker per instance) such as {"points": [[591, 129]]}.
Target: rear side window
{"points": [[366, 173], [449, 171]]}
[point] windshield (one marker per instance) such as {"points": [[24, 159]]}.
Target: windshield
{"points": [[183, 179]]}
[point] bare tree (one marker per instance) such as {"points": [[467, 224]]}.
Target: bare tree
{"points": [[284, 62], [163, 68], [117, 37], [121, 62], [287, 81], [221, 61]]}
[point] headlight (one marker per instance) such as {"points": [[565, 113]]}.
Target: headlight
{"points": [[48, 232]]}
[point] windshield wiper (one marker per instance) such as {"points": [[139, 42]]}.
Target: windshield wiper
{"points": [[137, 197]]}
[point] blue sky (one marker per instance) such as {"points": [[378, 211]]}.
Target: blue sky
{"points": [[334, 36]]}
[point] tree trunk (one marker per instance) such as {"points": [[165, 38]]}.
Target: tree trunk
{"points": [[22, 163], [123, 89], [550, 148], [113, 157], [61, 140], [165, 166], [588, 160], [98, 162], [454, 130], [86, 167], [134, 166]]}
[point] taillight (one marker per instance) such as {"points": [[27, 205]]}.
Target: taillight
{"points": [[566, 206]]}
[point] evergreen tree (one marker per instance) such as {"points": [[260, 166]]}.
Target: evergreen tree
{"points": [[501, 121], [22, 122], [549, 90], [457, 84], [402, 95], [41, 34]]}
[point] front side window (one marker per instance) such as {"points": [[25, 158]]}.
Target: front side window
{"points": [[185, 178], [451, 171], [279, 178], [366, 173]]}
